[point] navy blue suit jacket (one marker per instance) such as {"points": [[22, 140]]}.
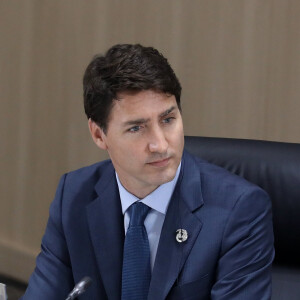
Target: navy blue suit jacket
{"points": [[227, 255]]}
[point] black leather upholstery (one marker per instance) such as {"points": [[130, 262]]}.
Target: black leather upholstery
{"points": [[275, 167]]}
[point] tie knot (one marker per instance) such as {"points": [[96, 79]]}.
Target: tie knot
{"points": [[138, 212]]}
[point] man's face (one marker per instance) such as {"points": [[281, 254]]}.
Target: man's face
{"points": [[144, 139]]}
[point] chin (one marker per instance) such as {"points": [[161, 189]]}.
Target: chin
{"points": [[164, 178]]}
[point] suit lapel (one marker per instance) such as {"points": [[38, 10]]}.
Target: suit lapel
{"points": [[106, 226], [171, 255]]}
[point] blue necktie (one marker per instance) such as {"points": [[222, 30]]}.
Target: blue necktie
{"points": [[136, 272]]}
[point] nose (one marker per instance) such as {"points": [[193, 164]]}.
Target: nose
{"points": [[157, 141]]}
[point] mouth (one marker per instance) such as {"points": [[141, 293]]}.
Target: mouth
{"points": [[160, 163]]}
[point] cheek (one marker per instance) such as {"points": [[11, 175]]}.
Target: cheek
{"points": [[178, 137], [132, 153]]}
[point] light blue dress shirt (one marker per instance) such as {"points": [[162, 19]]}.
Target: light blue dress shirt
{"points": [[158, 201]]}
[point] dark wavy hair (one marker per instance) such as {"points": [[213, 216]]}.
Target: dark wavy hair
{"points": [[125, 67]]}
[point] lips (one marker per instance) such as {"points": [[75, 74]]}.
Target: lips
{"points": [[160, 163]]}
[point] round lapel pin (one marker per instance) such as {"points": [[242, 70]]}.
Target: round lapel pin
{"points": [[181, 235]]}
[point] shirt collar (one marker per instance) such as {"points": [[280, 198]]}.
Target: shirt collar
{"points": [[158, 200]]}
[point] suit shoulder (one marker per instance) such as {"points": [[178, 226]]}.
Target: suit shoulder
{"points": [[83, 180], [96, 168]]}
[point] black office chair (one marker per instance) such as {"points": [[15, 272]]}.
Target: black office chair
{"points": [[275, 167]]}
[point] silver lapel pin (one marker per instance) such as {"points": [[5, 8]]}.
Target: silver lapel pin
{"points": [[181, 235]]}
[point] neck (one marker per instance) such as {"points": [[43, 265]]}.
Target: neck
{"points": [[140, 193]]}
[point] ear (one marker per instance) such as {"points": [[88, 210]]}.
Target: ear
{"points": [[98, 135]]}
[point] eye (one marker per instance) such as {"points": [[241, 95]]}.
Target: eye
{"points": [[134, 129], [168, 120]]}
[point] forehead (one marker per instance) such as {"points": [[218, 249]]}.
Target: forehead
{"points": [[142, 104]]}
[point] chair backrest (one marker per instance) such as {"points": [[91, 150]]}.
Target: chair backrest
{"points": [[275, 167]]}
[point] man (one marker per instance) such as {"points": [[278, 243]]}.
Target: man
{"points": [[193, 230]]}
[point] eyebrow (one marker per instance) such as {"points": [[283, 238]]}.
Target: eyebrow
{"points": [[143, 121], [168, 111], [136, 122]]}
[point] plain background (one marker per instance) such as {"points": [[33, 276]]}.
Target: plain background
{"points": [[238, 62]]}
